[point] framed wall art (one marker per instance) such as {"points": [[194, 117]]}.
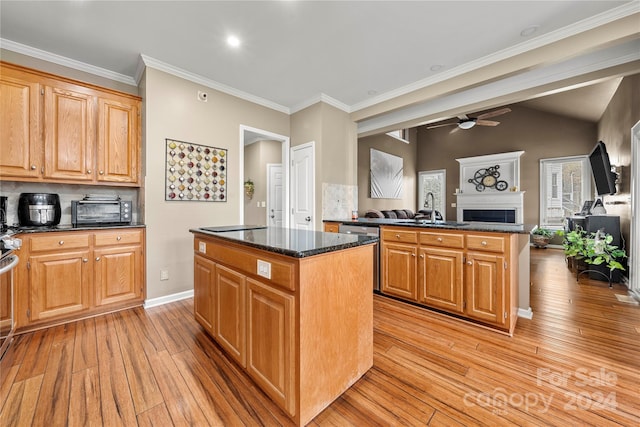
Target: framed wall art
{"points": [[386, 175], [194, 172]]}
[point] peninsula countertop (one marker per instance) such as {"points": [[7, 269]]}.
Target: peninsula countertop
{"points": [[286, 241], [495, 227]]}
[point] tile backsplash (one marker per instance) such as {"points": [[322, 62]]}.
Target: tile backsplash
{"points": [[339, 200], [67, 193]]}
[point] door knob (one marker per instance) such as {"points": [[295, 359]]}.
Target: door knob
{"points": [[308, 219]]}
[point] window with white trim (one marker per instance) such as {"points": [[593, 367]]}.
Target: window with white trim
{"points": [[565, 183]]}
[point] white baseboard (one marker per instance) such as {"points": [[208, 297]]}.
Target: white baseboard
{"points": [[525, 313], [167, 299]]}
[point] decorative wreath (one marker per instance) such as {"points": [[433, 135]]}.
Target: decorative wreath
{"points": [[488, 178]]}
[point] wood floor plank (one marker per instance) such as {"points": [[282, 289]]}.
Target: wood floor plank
{"points": [[155, 417], [53, 401], [84, 406], [20, 406], [173, 341], [37, 354], [85, 351]]}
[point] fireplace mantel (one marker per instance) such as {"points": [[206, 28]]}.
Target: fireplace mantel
{"points": [[507, 200]]}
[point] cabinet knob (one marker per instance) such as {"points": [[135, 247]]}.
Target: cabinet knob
{"points": [[101, 172], [397, 236], [413, 255], [85, 259], [469, 263], [88, 171], [439, 239], [61, 242], [33, 167], [422, 256], [118, 238], [97, 258]]}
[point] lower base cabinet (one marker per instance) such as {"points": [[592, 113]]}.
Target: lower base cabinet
{"points": [[304, 335], [69, 275]]}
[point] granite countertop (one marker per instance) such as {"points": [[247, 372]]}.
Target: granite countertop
{"points": [[290, 242], [69, 227], [496, 227]]}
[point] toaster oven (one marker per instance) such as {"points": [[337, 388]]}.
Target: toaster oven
{"points": [[100, 212]]}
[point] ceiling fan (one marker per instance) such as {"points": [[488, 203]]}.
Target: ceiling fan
{"points": [[467, 122]]}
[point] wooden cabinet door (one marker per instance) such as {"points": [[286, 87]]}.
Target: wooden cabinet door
{"points": [[20, 138], [69, 118], [118, 141], [203, 291], [399, 270], [59, 284], [229, 308], [440, 282], [331, 227], [271, 342], [485, 288], [118, 274], [6, 304]]}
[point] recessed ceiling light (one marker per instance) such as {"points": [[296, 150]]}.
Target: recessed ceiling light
{"points": [[529, 30], [233, 41], [436, 67], [372, 92]]}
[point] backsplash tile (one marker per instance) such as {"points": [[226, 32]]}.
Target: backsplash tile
{"points": [[339, 200]]}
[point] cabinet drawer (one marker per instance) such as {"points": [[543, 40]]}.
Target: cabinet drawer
{"points": [[56, 241], [395, 235], [118, 237], [447, 240], [486, 243]]}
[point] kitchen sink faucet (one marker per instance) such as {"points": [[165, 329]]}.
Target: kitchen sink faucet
{"points": [[433, 208]]}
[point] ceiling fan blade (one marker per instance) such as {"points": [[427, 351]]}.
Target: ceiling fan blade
{"points": [[463, 117], [442, 125], [487, 123], [494, 113]]}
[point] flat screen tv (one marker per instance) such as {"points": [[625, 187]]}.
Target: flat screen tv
{"points": [[601, 168]]}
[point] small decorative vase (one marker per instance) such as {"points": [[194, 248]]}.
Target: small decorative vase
{"points": [[540, 241]]}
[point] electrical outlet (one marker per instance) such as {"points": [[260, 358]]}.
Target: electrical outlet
{"points": [[264, 269], [453, 205], [263, 204], [202, 247], [164, 274]]}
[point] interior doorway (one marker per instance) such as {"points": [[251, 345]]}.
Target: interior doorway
{"points": [[275, 202], [258, 148], [303, 183], [634, 259]]}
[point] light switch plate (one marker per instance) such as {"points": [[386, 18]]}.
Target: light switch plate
{"points": [[264, 269]]}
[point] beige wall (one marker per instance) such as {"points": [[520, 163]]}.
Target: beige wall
{"points": [[172, 110], [539, 134], [335, 137], [387, 144], [256, 157], [614, 129]]}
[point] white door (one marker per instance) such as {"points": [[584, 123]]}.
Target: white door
{"points": [[303, 186], [275, 192]]}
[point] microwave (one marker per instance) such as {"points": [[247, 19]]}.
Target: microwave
{"points": [[100, 212]]}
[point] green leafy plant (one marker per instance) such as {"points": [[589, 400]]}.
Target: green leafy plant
{"points": [[593, 248], [543, 232], [249, 188]]}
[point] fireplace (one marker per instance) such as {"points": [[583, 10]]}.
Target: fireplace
{"points": [[507, 216]]}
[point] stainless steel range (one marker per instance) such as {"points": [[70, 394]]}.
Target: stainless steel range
{"points": [[367, 231], [8, 261]]}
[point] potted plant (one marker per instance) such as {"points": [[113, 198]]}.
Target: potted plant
{"points": [[249, 188], [541, 236], [594, 248]]}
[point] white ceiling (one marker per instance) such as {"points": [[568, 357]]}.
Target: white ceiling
{"points": [[293, 52]]}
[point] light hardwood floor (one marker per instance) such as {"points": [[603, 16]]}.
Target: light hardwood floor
{"points": [[577, 362]]}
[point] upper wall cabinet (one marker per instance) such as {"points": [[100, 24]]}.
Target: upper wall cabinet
{"points": [[59, 130]]}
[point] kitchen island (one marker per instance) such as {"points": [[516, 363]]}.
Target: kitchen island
{"points": [[293, 308]]}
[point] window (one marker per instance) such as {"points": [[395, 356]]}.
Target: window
{"points": [[436, 183], [565, 183]]}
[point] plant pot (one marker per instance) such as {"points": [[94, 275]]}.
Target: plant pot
{"points": [[540, 241]]}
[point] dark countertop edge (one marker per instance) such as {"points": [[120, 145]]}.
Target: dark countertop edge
{"points": [[487, 227], [363, 240], [58, 229]]}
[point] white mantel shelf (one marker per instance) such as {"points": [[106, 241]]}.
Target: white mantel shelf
{"points": [[491, 201]]}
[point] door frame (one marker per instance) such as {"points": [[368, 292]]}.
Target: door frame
{"points": [[311, 144], [634, 259], [245, 132]]}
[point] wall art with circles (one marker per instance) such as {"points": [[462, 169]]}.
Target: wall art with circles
{"points": [[195, 173]]}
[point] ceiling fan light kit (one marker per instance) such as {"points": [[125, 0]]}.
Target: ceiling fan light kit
{"points": [[466, 122]]}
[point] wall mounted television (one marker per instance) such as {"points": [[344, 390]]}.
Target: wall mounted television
{"points": [[604, 178]]}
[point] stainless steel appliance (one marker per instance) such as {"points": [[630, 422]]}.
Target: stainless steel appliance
{"points": [[8, 261], [367, 231], [39, 209], [100, 210], [3, 213]]}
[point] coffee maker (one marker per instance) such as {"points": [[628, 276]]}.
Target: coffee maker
{"points": [[39, 209]]}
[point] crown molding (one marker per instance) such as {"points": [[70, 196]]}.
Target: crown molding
{"points": [[321, 97], [543, 40], [196, 78], [66, 62]]}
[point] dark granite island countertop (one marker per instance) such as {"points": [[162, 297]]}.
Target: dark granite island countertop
{"points": [[286, 241], [494, 227]]}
